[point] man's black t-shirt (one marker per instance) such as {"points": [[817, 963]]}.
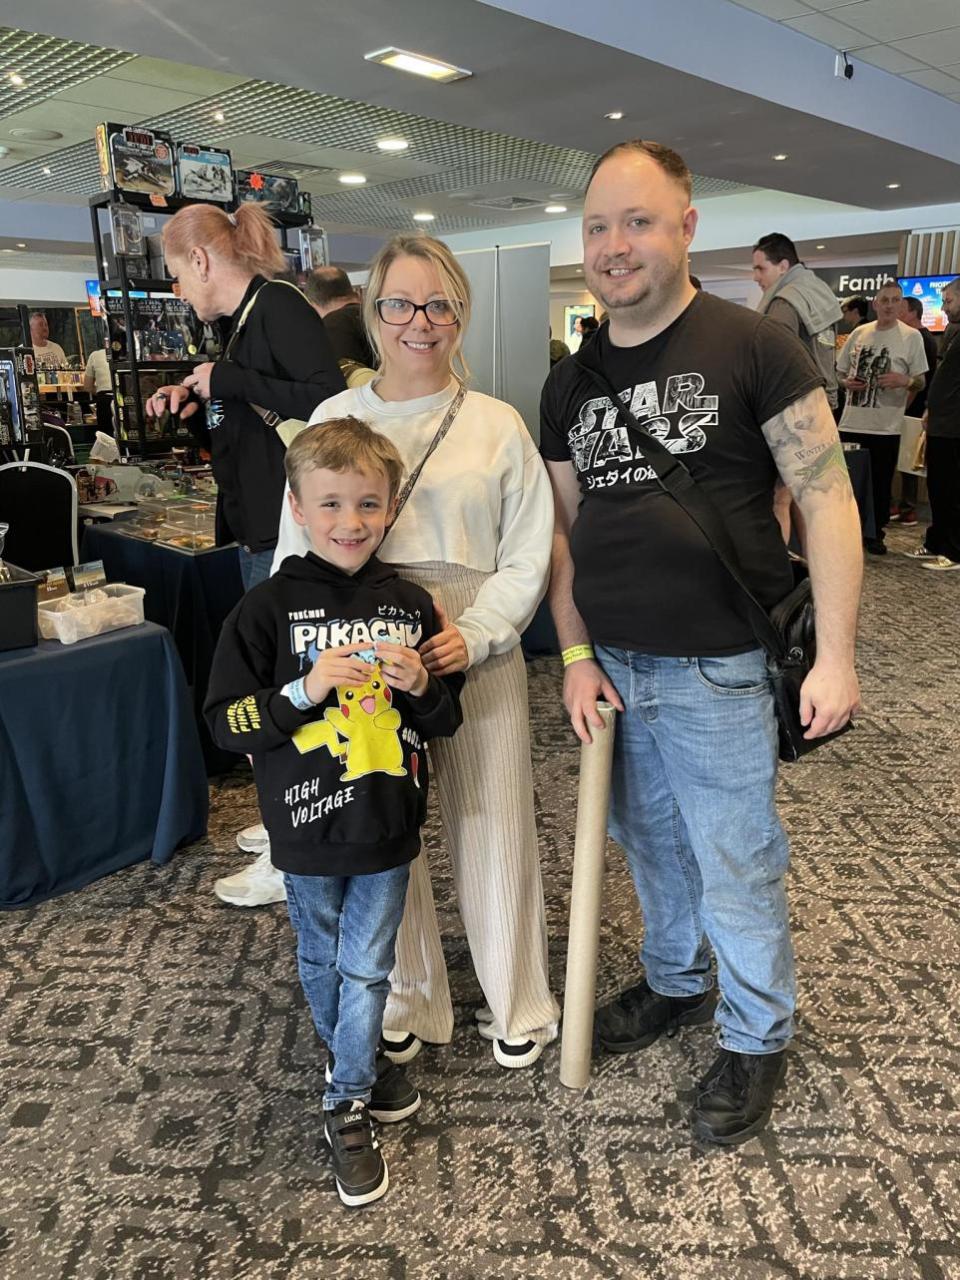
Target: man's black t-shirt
{"points": [[645, 577], [943, 394]]}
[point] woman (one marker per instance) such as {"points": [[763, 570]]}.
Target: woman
{"points": [[276, 357], [475, 532]]}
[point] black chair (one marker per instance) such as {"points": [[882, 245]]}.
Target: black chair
{"points": [[57, 444], [40, 505]]}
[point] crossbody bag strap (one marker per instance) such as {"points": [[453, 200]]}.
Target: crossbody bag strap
{"points": [[442, 430], [676, 480]]}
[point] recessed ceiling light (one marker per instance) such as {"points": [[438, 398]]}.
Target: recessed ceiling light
{"points": [[352, 179], [47, 170], [424, 217], [219, 117], [613, 115], [418, 64], [555, 208], [579, 271], [892, 186], [781, 155], [17, 79], [36, 135], [8, 251], [821, 246], [392, 144], [21, 245]]}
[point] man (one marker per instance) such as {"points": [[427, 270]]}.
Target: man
{"points": [[739, 400], [880, 365], [911, 313], [855, 312], [797, 298], [334, 298], [97, 380], [47, 354], [941, 549]]}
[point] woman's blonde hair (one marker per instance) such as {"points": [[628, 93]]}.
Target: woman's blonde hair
{"points": [[244, 239], [453, 282]]}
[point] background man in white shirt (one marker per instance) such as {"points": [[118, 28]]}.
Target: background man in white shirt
{"points": [[48, 355], [880, 365]]}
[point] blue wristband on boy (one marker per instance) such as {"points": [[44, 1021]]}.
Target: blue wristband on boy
{"points": [[296, 691]]}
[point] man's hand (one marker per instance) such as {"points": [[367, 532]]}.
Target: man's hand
{"points": [[199, 380], [828, 697], [403, 669], [584, 684], [854, 384], [923, 420], [887, 380], [336, 666], [446, 652], [175, 398]]}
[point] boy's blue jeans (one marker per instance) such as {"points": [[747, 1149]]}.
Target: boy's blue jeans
{"points": [[694, 777], [346, 929]]}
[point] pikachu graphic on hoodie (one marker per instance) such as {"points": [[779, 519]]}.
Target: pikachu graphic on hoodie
{"points": [[362, 730]]}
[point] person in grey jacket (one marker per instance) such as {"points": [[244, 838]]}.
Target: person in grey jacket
{"points": [[797, 298]]}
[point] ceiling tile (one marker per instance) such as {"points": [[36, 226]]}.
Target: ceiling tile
{"points": [[937, 49], [887, 20], [938, 81], [778, 9], [828, 31], [197, 81], [889, 59], [126, 100]]}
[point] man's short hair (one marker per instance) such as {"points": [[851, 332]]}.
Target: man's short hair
{"points": [[953, 285], [671, 162], [914, 305], [890, 284], [328, 284], [777, 248], [343, 444], [857, 303]]}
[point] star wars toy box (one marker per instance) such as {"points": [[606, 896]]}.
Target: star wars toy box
{"points": [[204, 173], [136, 160], [280, 192]]}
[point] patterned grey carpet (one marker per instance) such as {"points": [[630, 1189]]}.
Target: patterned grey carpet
{"points": [[160, 1093]]}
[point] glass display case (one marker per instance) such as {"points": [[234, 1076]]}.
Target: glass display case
{"points": [[185, 522]]}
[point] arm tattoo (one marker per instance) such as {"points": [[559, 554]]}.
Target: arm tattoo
{"points": [[807, 450]]}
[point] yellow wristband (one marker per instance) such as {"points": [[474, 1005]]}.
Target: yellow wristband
{"points": [[576, 653]]}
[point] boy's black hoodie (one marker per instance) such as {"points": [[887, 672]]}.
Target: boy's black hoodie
{"points": [[342, 787]]}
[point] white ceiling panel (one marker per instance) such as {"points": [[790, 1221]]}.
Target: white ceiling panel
{"points": [[889, 59], [777, 9], [888, 20], [936, 50], [198, 82], [938, 81], [820, 26], [126, 97]]}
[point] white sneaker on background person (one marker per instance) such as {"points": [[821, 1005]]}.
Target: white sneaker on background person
{"points": [[257, 885], [254, 839]]}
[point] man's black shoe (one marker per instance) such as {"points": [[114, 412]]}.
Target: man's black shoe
{"points": [[875, 546], [640, 1016], [358, 1166], [392, 1097], [735, 1097]]}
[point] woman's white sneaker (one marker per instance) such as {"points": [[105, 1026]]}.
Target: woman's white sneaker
{"points": [[257, 885], [514, 1051], [400, 1046]]}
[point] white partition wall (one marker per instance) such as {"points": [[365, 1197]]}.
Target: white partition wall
{"points": [[508, 344]]}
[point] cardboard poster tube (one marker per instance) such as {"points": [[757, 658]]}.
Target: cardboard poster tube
{"points": [[586, 896]]}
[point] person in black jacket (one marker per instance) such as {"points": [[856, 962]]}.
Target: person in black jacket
{"points": [[317, 675], [277, 358]]}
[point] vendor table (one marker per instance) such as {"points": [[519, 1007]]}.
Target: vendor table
{"points": [[100, 763], [190, 595]]}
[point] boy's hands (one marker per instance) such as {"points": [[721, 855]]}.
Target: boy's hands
{"points": [[336, 666], [402, 669]]}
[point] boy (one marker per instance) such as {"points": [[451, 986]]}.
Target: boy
{"points": [[318, 677]]}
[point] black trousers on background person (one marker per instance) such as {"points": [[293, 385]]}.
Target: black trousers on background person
{"points": [[884, 451], [105, 418], [943, 485]]}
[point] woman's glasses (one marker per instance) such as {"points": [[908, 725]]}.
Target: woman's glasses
{"points": [[402, 311]]}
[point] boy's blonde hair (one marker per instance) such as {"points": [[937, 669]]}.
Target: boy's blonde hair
{"points": [[453, 282], [343, 444]]}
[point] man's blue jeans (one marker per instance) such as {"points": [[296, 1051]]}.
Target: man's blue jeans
{"points": [[346, 929], [694, 776], [254, 567]]}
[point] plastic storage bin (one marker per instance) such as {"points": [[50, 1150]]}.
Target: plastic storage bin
{"points": [[108, 609]]}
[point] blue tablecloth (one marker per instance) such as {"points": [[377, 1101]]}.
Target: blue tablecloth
{"points": [[189, 595], [100, 762]]}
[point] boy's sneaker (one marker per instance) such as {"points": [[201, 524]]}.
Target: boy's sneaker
{"points": [[921, 553], [253, 839], [640, 1016], [358, 1165], [400, 1046], [735, 1097], [392, 1097], [257, 885]]}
